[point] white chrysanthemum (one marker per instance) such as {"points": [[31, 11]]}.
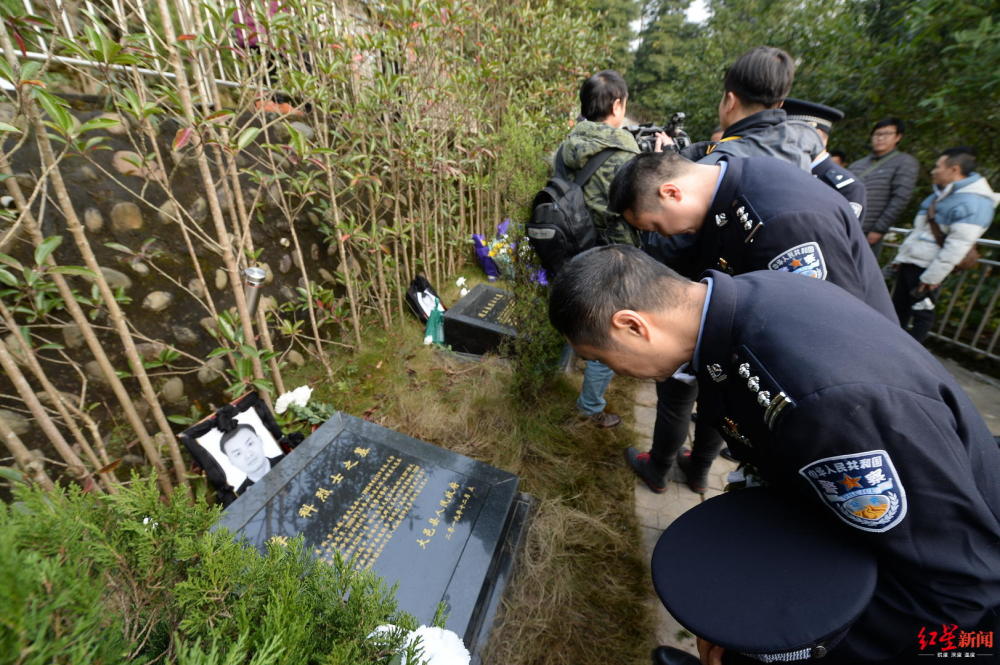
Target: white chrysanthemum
{"points": [[460, 282], [463, 292], [298, 397], [440, 646], [428, 340]]}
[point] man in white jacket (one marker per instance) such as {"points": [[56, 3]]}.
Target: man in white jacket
{"points": [[962, 207]]}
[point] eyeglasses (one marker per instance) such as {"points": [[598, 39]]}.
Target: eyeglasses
{"points": [[883, 134]]}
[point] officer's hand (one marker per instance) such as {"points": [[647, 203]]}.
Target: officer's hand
{"points": [[709, 653], [874, 237], [662, 140]]}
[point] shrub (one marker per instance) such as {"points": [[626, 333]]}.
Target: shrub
{"points": [[130, 577]]}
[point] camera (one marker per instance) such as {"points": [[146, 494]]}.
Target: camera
{"points": [[645, 135]]}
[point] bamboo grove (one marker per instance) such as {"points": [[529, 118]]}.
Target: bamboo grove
{"points": [[390, 132]]}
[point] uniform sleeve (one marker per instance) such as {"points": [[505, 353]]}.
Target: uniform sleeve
{"points": [[810, 244], [904, 178], [889, 465], [967, 222]]}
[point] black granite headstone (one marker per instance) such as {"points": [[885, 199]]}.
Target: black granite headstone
{"points": [[442, 526], [480, 321]]}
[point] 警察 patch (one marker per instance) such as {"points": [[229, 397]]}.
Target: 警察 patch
{"points": [[805, 259], [863, 488]]}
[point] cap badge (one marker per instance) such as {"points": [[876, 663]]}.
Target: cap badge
{"points": [[716, 372]]}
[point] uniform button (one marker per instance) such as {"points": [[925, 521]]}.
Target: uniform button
{"points": [[721, 219], [753, 383], [764, 398], [744, 370], [818, 652]]}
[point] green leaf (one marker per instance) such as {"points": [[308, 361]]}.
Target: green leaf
{"points": [[56, 110], [49, 346], [215, 353], [98, 123], [8, 278], [181, 420], [11, 261], [117, 246], [72, 270], [4, 127], [226, 329], [11, 474], [48, 246], [246, 137]]}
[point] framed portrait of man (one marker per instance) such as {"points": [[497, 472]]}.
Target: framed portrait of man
{"points": [[236, 446]]}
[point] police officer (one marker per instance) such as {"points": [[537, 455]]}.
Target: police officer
{"points": [[821, 118], [805, 382], [755, 213]]}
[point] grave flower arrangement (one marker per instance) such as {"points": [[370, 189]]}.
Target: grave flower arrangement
{"points": [[498, 255], [297, 404], [427, 644]]}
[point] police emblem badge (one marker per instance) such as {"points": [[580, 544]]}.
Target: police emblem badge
{"points": [[805, 259], [863, 489]]}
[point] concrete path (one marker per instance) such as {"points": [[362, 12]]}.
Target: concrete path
{"points": [[657, 511]]}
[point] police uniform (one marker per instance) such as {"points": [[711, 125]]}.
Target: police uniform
{"points": [[837, 407], [769, 215], [821, 116], [766, 215]]}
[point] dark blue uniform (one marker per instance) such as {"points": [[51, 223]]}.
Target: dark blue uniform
{"points": [[846, 183], [839, 408], [766, 215], [769, 215]]}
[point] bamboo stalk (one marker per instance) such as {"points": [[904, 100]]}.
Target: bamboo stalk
{"points": [[55, 397], [222, 233], [34, 469], [76, 229], [76, 467]]}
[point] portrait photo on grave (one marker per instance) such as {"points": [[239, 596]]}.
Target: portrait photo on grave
{"points": [[236, 446]]}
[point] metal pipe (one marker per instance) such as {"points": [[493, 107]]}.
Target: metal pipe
{"points": [[254, 280]]}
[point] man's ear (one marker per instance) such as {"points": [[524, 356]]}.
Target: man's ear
{"points": [[630, 324], [729, 101], [668, 191]]}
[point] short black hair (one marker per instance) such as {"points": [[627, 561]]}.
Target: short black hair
{"points": [[595, 284], [962, 156], [599, 92], [231, 434], [636, 181], [839, 153], [890, 121], [763, 75]]}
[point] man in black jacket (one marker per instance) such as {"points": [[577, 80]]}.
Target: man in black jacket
{"points": [[805, 382], [747, 214]]}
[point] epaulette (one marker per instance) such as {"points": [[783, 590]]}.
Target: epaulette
{"points": [[768, 394], [838, 178]]}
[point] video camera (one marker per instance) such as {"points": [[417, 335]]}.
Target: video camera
{"points": [[645, 135]]}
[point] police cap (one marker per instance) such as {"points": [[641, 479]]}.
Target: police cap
{"points": [[818, 115], [756, 573]]}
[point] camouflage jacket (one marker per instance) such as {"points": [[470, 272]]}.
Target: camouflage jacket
{"points": [[586, 140]]}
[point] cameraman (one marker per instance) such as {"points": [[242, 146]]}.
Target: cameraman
{"points": [[603, 99]]}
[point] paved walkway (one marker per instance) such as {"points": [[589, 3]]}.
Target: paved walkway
{"points": [[657, 511]]}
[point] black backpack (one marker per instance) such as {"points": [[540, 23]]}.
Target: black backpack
{"points": [[560, 226]]}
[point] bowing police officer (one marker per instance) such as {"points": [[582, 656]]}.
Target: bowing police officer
{"points": [[821, 118], [746, 214], [837, 409]]}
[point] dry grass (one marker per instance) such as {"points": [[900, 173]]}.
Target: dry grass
{"points": [[578, 596]]}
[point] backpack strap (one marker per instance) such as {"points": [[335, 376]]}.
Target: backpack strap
{"points": [[592, 165]]}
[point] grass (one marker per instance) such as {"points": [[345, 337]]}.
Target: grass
{"points": [[578, 594]]}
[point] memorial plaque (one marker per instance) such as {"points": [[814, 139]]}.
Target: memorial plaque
{"points": [[442, 526], [480, 321]]}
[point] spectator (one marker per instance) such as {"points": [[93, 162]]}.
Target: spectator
{"points": [[889, 176], [603, 100], [948, 225]]}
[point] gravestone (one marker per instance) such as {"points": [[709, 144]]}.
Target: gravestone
{"points": [[442, 526], [481, 321]]}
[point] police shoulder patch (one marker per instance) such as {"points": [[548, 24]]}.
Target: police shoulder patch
{"points": [[863, 489], [805, 259]]}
